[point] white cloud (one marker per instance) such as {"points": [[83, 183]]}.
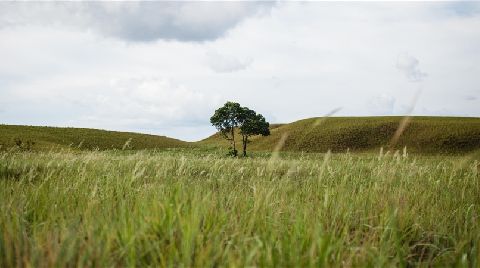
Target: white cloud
{"points": [[226, 64], [309, 58], [125, 103], [136, 21], [410, 67], [151, 104]]}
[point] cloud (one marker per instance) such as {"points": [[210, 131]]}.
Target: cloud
{"points": [[308, 58], [226, 64], [147, 102], [470, 98], [136, 21], [464, 8], [150, 104], [410, 67], [381, 105]]}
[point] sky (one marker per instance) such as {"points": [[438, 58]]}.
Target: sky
{"points": [[164, 67]]}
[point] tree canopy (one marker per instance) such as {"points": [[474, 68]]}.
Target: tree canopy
{"points": [[252, 124], [232, 116], [226, 119]]}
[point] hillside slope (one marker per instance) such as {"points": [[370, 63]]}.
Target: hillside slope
{"points": [[422, 134], [83, 138]]}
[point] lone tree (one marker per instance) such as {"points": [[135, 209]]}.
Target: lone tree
{"points": [[231, 116], [226, 119], [252, 124]]}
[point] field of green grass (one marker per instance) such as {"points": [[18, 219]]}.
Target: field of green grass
{"points": [[426, 135], [196, 208], [86, 197], [46, 138], [429, 135]]}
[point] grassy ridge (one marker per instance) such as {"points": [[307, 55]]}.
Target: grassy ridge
{"points": [[361, 134], [421, 135], [195, 209], [83, 138]]}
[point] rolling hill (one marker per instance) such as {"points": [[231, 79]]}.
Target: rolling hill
{"points": [[83, 138], [421, 134], [358, 134]]}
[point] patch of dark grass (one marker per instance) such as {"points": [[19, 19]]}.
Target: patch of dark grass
{"points": [[8, 173]]}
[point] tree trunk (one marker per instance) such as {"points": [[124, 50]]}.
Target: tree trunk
{"points": [[245, 140], [233, 141]]}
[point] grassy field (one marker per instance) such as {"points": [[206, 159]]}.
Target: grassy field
{"points": [[429, 135], [46, 138], [86, 197], [426, 135], [198, 208]]}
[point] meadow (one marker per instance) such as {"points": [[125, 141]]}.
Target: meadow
{"points": [[196, 207], [420, 134], [47, 138]]}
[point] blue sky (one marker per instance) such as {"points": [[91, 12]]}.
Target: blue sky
{"points": [[163, 67]]}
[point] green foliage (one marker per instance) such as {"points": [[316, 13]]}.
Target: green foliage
{"points": [[193, 208], [231, 116], [252, 124], [226, 119], [46, 138], [429, 135]]}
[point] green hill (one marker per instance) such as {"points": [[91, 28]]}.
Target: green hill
{"points": [[359, 134], [83, 138], [421, 134]]}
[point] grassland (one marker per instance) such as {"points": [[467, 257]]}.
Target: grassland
{"points": [[46, 138], [197, 208], [428, 135], [83, 197]]}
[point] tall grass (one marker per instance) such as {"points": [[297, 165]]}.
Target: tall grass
{"points": [[199, 208]]}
